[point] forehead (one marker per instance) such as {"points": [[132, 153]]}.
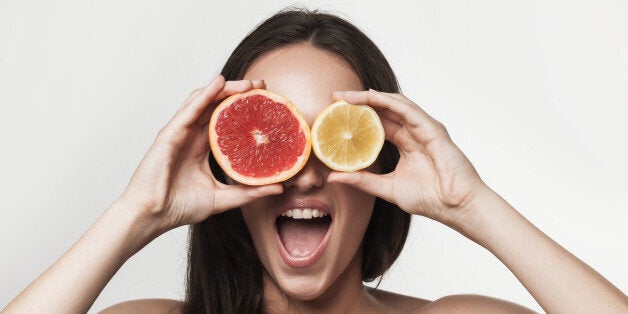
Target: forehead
{"points": [[304, 74]]}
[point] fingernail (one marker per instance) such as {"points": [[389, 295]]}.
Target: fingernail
{"points": [[272, 189], [332, 176], [337, 93]]}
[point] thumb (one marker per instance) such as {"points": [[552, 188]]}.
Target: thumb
{"points": [[374, 184], [233, 196]]}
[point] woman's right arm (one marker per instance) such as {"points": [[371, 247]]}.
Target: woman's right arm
{"points": [[433, 178], [172, 186]]}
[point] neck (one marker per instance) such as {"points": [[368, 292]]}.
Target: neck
{"points": [[347, 294]]}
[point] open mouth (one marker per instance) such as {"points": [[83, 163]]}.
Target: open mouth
{"points": [[302, 235]]}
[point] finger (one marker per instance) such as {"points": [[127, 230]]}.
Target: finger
{"points": [[338, 96], [408, 112], [232, 196], [390, 128], [393, 116], [192, 109], [383, 101], [390, 115], [223, 94], [199, 144], [233, 87], [192, 95], [374, 184], [259, 84], [392, 124], [399, 136], [397, 96]]}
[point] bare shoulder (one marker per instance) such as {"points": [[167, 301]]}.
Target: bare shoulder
{"points": [[164, 306], [393, 302], [463, 303], [472, 303]]}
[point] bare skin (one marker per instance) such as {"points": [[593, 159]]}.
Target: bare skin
{"points": [[433, 179], [382, 302]]}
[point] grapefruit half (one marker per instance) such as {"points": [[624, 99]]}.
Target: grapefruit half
{"points": [[259, 137]]}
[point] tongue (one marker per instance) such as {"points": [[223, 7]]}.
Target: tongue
{"points": [[301, 237]]}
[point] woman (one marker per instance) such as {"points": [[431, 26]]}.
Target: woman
{"points": [[240, 259]]}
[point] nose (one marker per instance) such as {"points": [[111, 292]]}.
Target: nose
{"points": [[313, 175]]}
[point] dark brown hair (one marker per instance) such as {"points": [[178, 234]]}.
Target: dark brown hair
{"points": [[224, 271]]}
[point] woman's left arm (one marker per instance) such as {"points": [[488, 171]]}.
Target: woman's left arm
{"points": [[435, 179]]}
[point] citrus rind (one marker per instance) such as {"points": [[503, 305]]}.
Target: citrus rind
{"points": [[344, 127], [223, 160]]}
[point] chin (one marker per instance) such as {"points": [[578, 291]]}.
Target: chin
{"points": [[307, 243], [303, 288]]}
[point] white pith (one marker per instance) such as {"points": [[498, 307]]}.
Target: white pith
{"points": [[304, 213], [260, 138]]}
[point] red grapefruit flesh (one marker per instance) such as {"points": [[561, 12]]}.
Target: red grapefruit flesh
{"points": [[259, 137]]}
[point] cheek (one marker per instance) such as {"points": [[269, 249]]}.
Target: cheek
{"points": [[254, 223], [357, 204], [249, 218], [256, 213], [258, 217], [357, 210]]}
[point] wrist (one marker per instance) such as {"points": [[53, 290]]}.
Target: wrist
{"points": [[139, 227], [478, 218]]}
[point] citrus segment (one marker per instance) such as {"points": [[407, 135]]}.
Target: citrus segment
{"points": [[259, 137], [347, 137]]}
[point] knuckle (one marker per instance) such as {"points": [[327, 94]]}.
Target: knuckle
{"points": [[402, 96], [362, 179], [160, 135], [167, 136], [442, 128], [196, 91], [248, 84], [163, 133], [372, 95], [435, 130]]}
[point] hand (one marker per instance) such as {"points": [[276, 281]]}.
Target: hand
{"points": [[433, 177], [174, 183]]}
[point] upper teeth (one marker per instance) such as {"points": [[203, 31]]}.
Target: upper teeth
{"points": [[305, 213]]}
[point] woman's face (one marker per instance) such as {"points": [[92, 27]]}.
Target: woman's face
{"points": [[305, 257]]}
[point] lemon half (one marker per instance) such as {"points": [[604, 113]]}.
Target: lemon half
{"points": [[347, 137]]}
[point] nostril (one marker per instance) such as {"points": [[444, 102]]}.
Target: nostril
{"points": [[312, 175]]}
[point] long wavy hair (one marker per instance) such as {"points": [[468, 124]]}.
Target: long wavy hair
{"points": [[224, 272]]}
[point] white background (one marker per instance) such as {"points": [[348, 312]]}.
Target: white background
{"points": [[534, 92]]}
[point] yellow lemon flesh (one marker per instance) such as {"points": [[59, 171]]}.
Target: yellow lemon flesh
{"points": [[347, 137]]}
